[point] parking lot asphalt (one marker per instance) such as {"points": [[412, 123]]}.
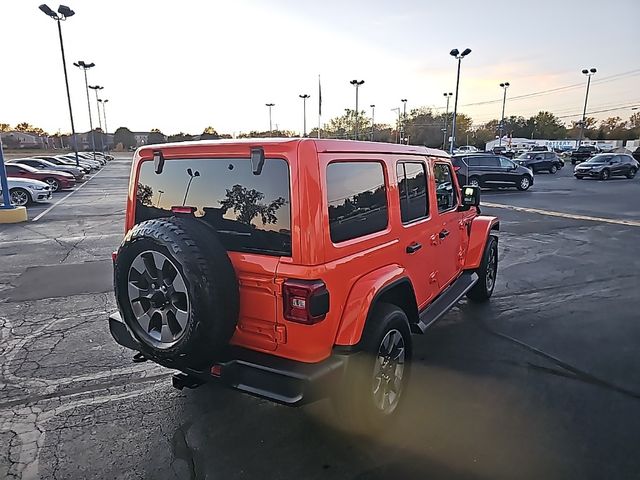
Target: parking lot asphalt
{"points": [[558, 399]]}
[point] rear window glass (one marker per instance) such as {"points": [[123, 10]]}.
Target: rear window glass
{"points": [[357, 199], [251, 213]]}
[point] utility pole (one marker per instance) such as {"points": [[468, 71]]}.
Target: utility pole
{"points": [[270, 106], [404, 119], [446, 117]]}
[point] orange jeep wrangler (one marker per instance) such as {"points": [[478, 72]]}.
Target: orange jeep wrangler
{"points": [[293, 269]]}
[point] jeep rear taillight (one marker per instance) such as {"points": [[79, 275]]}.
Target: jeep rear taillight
{"points": [[305, 301]]}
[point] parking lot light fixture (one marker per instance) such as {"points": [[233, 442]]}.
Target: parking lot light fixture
{"points": [[95, 88], [104, 114], [404, 119], [270, 106], [373, 120], [446, 118], [458, 56], [589, 73], [64, 12], [357, 84], [397, 110], [86, 66], [304, 113], [504, 87]]}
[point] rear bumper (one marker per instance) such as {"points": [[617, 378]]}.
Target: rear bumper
{"points": [[277, 379]]}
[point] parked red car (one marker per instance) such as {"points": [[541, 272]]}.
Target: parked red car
{"points": [[56, 180]]}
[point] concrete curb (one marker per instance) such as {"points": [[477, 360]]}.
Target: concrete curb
{"points": [[13, 215]]}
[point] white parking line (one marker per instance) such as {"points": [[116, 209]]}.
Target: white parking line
{"points": [[38, 217], [551, 213]]}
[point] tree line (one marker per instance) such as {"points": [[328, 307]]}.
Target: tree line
{"points": [[422, 126]]}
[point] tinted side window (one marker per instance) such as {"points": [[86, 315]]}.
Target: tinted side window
{"points": [[505, 162], [412, 188], [486, 161], [357, 199], [445, 191], [12, 169]]}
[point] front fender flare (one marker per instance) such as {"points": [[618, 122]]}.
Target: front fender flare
{"points": [[481, 228], [361, 299]]}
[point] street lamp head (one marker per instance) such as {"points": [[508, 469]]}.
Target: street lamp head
{"points": [[585, 71], [466, 52], [96, 87], [504, 84], [404, 100], [593, 70], [304, 96], [455, 52], [65, 11], [47, 11], [373, 106]]}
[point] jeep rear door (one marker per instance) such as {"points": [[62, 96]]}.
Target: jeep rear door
{"points": [[250, 214], [451, 244]]}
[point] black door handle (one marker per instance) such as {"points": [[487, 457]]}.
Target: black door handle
{"points": [[443, 234], [414, 247]]}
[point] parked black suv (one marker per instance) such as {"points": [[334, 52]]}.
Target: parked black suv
{"points": [[606, 165], [491, 171], [540, 161], [583, 153]]}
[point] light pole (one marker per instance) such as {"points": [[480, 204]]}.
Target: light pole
{"points": [[458, 56], [373, 120], [589, 73], [95, 88], [160, 192], [192, 175], [404, 119], [270, 106], [104, 113], [357, 84], [397, 110], [504, 86], [86, 66], [446, 118], [64, 13], [304, 113]]}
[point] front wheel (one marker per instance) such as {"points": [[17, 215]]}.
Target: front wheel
{"points": [[487, 272], [604, 175], [524, 183], [376, 377], [631, 173], [53, 183], [553, 169], [474, 182], [19, 197]]}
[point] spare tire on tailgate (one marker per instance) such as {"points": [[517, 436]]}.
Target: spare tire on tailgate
{"points": [[177, 290]]}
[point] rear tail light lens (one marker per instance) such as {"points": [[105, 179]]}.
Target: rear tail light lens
{"points": [[305, 301], [181, 209]]}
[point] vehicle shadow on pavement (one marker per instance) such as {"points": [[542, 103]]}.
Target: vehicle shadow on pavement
{"points": [[463, 418]]}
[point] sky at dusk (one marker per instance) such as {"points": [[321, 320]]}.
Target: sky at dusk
{"points": [[182, 66]]}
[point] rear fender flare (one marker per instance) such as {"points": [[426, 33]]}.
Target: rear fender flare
{"points": [[481, 228], [361, 299]]}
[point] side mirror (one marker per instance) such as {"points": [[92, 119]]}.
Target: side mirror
{"points": [[470, 197]]}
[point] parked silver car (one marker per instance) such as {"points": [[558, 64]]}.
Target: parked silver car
{"points": [[78, 173], [23, 191]]}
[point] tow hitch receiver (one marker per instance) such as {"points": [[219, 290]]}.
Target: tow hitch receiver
{"points": [[181, 380]]}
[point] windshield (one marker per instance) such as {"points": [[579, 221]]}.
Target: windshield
{"points": [[251, 213], [526, 155], [600, 159]]}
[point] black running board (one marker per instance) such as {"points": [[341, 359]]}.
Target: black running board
{"points": [[447, 299]]}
